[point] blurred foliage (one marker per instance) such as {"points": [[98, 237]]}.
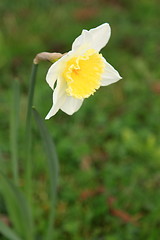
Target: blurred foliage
{"points": [[109, 150]]}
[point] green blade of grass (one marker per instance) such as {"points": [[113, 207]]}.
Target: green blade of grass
{"points": [[8, 232], [18, 209], [53, 169], [14, 130]]}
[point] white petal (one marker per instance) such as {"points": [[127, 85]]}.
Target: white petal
{"points": [[52, 74], [110, 75], [84, 39], [71, 105], [59, 97], [100, 36], [95, 38], [55, 70]]}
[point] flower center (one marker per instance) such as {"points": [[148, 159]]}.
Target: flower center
{"points": [[83, 74]]}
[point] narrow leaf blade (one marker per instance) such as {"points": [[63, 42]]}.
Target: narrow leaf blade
{"points": [[53, 168], [8, 232], [17, 207], [14, 122]]}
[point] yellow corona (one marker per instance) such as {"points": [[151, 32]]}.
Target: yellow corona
{"points": [[83, 74]]}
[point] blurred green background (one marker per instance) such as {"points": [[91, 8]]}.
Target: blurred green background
{"points": [[109, 150]]}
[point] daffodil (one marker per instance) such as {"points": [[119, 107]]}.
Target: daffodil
{"points": [[80, 73]]}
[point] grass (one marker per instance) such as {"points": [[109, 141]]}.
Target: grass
{"points": [[109, 150]]}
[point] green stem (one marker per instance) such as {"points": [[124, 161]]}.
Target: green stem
{"points": [[28, 169], [14, 130]]}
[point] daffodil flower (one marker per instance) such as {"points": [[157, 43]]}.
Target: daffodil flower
{"points": [[79, 73]]}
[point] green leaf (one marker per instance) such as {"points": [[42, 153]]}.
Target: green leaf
{"points": [[14, 122], [53, 169], [18, 209], [8, 232]]}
